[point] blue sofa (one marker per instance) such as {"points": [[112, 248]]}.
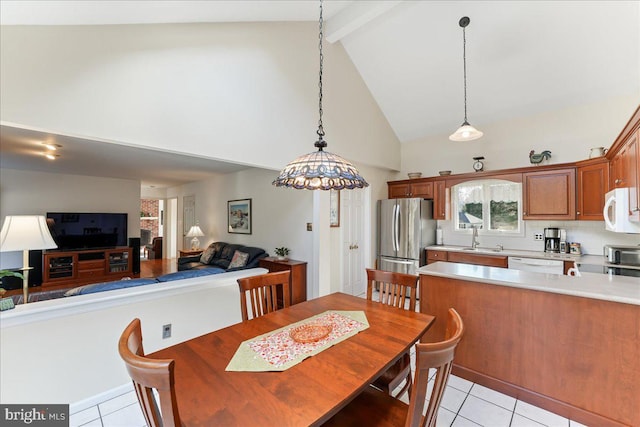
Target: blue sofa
{"points": [[220, 255], [130, 283]]}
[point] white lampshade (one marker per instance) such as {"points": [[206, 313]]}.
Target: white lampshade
{"points": [[195, 231], [25, 232], [466, 132]]}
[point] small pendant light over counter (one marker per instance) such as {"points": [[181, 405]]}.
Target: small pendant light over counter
{"points": [[320, 170], [465, 132]]}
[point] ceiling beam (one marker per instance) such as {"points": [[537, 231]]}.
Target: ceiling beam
{"points": [[355, 16]]}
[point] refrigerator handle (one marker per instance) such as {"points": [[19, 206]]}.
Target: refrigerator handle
{"points": [[397, 261], [396, 228]]}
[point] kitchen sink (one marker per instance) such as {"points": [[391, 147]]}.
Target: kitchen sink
{"points": [[479, 249]]}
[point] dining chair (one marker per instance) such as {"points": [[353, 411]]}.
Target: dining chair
{"points": [[376, 408], [262, 293], [393, 289], [149, 375]]}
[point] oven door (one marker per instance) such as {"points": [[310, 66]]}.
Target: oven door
{"points": [[621, 271]]}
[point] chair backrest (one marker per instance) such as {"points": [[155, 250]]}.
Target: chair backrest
{"points": [[438, 355], [157, 244], [147, 375], [263, 295], [394, 288]]}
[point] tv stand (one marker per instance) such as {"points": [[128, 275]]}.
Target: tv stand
{"points": [[85, 266]]}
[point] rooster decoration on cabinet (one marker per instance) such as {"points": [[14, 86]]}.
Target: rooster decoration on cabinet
{"points": [[536, 159]]}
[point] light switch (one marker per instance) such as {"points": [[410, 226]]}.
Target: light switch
{"points": [[309, 226]]}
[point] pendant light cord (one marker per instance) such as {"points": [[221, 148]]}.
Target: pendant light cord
{"points": [[464, 66], [320, 143]]}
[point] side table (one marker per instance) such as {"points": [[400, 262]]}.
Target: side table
{"points": [[298, 279], [190, 252]]}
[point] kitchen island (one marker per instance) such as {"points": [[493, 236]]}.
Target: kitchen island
{"points": [[568, 344]]}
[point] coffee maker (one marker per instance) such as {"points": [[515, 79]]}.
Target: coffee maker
{"points": [[555, 240]]}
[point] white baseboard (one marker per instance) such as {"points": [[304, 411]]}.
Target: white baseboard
{"points": [[99, 398]]}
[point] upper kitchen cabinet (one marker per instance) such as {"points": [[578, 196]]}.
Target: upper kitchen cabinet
{"points": [[593, 184], [439, 200], [549, 194], [625, 163], [418, 188]]}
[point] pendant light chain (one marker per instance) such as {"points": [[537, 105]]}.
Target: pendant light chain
{"points": [[320, 131], [464, 66], [320, 170], [465, 132]]}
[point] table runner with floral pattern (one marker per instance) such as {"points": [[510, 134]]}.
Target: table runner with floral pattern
{"points": [[277, 351]]}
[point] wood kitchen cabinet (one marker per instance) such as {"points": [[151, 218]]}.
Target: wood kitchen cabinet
{"points": [[624, 156], [592, 184], [466, 257], [549, 194], [439, 200], [434, 255], [297, 280], [404, 189]]}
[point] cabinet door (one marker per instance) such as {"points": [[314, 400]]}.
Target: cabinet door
{"points": [[633, 174], [398, 191], [59, 267], [618, 169], [477, 259], [422, 189], [439, 200], [593, 184], [549, 194]]}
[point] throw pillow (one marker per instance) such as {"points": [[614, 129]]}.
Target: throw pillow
{"points": [[239, 259], [206, 256]]}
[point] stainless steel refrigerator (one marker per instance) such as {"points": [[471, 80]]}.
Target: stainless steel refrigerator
{"points": [[405, 228]]}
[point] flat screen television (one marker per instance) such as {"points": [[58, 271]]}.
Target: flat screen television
{"points": [[79, 230]]}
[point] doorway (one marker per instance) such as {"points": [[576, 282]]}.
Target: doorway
{"points": [[354, 241]]}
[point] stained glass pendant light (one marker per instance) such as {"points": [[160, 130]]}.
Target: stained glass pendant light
{"points": [[320, 170], [465, 132]]}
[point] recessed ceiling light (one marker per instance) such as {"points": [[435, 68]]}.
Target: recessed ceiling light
{"points": [[52, 147], [51, 156]]}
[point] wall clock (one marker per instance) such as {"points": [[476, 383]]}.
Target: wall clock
{"points": [[478, 165]]}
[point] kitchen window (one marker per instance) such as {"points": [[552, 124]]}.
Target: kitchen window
{"points": [[493, 206]]}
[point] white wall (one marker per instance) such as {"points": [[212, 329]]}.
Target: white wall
{"points": [[28, 192], [241, 92], [66, 350], [569, 134]]}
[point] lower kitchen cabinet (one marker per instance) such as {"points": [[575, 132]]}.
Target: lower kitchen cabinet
{"points": [[465, 257]]}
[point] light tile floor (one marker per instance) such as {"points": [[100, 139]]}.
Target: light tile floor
{"points": [[464, 404]]}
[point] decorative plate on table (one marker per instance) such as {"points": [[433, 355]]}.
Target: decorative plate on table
{"points": [[305, 334]]}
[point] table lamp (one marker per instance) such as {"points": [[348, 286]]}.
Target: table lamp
{"points": [[195, 232], [24, 233]]}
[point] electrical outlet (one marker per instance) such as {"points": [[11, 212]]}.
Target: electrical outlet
{"points": [[537, 236], [166, 331]]}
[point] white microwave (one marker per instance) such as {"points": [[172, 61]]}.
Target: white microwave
{"points": [[616, 212]]}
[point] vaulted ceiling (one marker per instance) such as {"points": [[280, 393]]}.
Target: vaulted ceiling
{"points": [[523, 57]]}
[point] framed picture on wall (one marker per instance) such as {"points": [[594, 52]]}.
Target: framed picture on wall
{"points": [[334, 208], [239, 216]]}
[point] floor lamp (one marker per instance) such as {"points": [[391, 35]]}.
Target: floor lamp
{"points": [[24, 233]]}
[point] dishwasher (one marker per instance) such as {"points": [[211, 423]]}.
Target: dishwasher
{"points": [[553, 266]]}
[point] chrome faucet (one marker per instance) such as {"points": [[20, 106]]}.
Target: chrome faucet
{"points": [[474, 238]]}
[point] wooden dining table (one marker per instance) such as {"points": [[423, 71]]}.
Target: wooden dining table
{"points": [[308, 393]]}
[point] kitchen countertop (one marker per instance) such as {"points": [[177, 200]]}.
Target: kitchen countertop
{"points": [[589, 285], [579, 259]]}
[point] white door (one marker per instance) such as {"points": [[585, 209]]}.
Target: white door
{"points": [[188, 218], [353, 246]]}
